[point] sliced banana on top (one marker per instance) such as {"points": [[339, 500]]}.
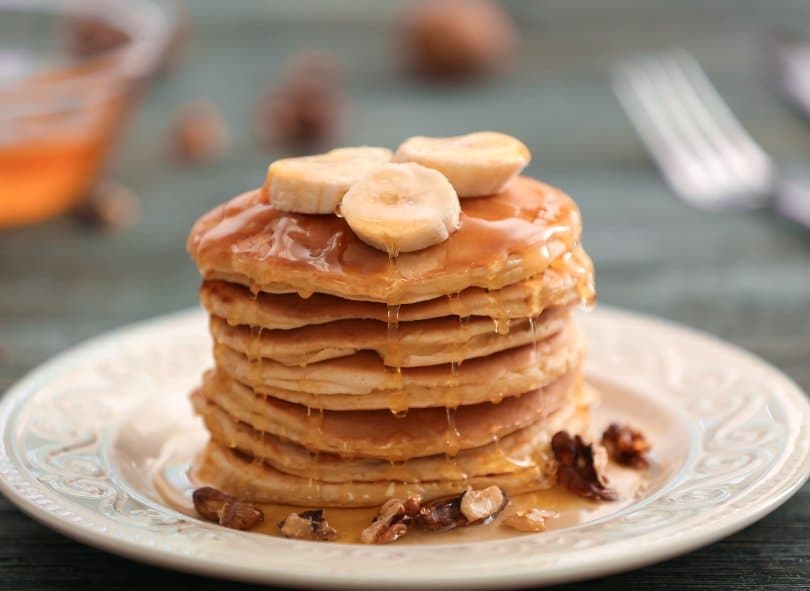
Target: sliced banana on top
{"points": [[316, 184], [402, 208], [476, 164]]}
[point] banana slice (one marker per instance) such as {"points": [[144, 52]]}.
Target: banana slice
{"points": [[476, 164], [316, 184], [402, 208]]}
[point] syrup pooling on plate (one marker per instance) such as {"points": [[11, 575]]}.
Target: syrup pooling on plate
{"points": [[175, 485], [307, 252]]}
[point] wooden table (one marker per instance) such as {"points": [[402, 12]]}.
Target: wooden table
{"points": [[744, 277]]}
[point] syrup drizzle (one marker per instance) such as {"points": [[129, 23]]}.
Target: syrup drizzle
{"points": [[397, 397]]}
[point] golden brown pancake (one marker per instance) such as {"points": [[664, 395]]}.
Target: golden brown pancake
{"points": [[504, 374], [411, 344], [395, 400], [379, 433], [222, 468], [511, 453], [503, 239], [568, 281]]}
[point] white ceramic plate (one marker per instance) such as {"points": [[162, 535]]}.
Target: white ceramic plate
{"points": [[81, 434]]}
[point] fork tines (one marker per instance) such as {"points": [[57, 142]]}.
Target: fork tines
{"points": [[703, 151]]}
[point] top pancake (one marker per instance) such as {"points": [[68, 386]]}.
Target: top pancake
{"points": [[568, 281], [503, 239]]}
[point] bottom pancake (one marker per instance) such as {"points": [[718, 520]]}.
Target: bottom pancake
{"points": [[256, 481]]}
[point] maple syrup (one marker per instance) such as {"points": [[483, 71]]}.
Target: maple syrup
{"points": [[530, 220], [175, 485]]}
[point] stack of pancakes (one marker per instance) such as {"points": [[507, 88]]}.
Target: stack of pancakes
{"points": [[344, 376]]}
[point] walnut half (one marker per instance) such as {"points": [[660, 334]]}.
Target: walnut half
{"points": [[307, 525], [626, 446], [577, 469], [473, 507], [228, 511], [479, 505], [530, 520], [391, 523]]}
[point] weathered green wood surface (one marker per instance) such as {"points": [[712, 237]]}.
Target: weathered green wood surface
{"points": [[744, 277]]}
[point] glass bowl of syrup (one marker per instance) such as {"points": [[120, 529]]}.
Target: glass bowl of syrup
{"points": [[70, 73]]}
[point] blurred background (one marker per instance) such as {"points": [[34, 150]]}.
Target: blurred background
{"points": [[213, 91]]}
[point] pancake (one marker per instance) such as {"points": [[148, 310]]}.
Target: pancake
{"points": [[503, 239], [511, 453], [363, 375], [568, 281], [379, 433], [411, 344], [235, 474]]}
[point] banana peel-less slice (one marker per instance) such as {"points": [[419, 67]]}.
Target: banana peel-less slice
{"points": [[476, 164], [316, 184], [402, 208]]}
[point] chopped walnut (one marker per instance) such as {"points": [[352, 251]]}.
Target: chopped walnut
{"points": [[626, 446], [306, 109], [530, 520], [240, 515], [198, 134], [457, 39], [308, 525], [391, 523], [208, 502], [441, 514], [577, 469], [478, 505], [228, 511], [109, 206]]}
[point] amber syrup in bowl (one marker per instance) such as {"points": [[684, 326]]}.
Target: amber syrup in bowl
{"points": [[68, 73]]}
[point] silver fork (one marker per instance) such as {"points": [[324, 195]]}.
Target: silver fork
{"points": [[704, 153]]}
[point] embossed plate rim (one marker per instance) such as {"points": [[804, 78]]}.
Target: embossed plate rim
{"points": [[206, 549]]}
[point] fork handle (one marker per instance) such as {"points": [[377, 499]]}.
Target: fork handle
{"points": [[792, 200]]}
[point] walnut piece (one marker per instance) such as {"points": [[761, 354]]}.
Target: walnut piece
{"points": [[626, 446], [228, 511], [109, 206], [306, 109], [441, 515], [308, 525], [198, 134], [208, 502], [240, 515], [530, 520], [477, 505], [457, 39], [576, 468], [391, 523], [444, 514]]}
